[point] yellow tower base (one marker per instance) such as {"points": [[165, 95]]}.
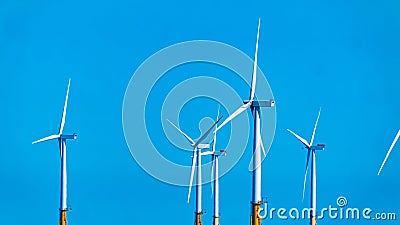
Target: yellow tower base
{"points": [[63, 217], [216, 221], [313, 220], [198, 218], [255, 213]]}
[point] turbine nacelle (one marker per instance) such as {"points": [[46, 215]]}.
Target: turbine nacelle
{"points": [[221, 153], [318, 147], [203, 146], [68, 136], [213, 153], [261, 103]]}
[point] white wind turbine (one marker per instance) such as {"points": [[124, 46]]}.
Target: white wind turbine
{"points": [[196, 165], [311, 150], [255, 164], [62, 138], [390, 150], [215, 175]]}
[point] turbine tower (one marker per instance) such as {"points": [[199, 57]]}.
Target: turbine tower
{"points": [[311, 150], [62, 140], [390, 150], [196, 165], [255, 164], [215, 176]]}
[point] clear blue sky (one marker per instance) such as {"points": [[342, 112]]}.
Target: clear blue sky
{"points": [[340, 55]]}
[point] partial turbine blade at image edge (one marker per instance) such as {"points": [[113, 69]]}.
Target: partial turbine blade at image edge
{"points": [[390, 150]]}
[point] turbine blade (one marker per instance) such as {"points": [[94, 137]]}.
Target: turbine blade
{"points": [[192, 173], [51, 137], [254, 76], [212, 174], [214, 141], [215, 132], [233, 115], [300, 138], [263, 149], [260, 144], [315, 128], [206, 133], [65, 110], [390, 150], [185, 135], [60, 146], [305, 173], [213, 156], [219, 108]]}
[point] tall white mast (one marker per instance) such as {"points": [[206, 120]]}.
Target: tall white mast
{"points": [[311, 153], [255, 166], [63, 153], [196, 167]]}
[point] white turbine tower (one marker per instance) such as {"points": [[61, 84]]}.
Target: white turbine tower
{"points": [[390, 150], [215, 175], [255, 165], [62, 138], [196, 165], [311, 150]]}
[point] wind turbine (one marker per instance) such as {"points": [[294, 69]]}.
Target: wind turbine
{"points": [[196, 165], [311, 150], [255, 165], [390, 150], [62, 138], [215, 175]]}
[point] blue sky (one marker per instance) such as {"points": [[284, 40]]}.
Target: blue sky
{"points": [[339, 55]]}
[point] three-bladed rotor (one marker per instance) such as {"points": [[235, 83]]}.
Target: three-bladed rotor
{"points": [[60, 136], [196, 146], [309, 147], [251, 103]]}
